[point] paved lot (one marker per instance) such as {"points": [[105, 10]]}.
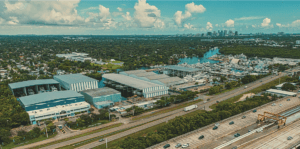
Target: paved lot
{"points": [[172, 114]]}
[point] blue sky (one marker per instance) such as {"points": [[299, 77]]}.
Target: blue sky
{"points": [[147, 17]]}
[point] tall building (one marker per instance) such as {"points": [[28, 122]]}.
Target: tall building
{"points": [[215, 33], [209, 33], [297, 41], [236, 33], [225, 32], [221, 33]]}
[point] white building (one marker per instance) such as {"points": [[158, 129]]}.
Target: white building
{"points": [[281, 93], [76, 82], [297, 41]]}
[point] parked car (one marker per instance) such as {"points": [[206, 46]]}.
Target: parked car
{"points": [[289, 138], [185, 145], [216, 127], [288, 99], [274, 104], [101, 140], [232, 122], [217, 124], [167, 145], [178, 145], [235, 147], [249, 130], [243, 117], [254, 111], [217, 101], [237, 135], [201, 137], [208, 99]]}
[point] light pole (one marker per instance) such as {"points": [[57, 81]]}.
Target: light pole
{"points": [[46, 130]]}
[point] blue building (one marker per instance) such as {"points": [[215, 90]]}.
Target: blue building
{"points": [[53, 105], [34, 87], [102, 97], [76, 82]]}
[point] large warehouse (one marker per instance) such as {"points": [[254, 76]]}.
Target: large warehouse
{"points": [[53, 105], [174, 70], [34, 87], [102, 97], [135, 85], [153, 77], [281, 93], [76, 82]]}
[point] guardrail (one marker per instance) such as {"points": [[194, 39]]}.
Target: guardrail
{"points": [[212, 125]]}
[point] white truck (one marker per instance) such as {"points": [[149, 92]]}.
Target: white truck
{"points": [[245, 87], [191, 107]]}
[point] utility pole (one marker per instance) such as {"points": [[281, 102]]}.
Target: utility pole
{"points": [[106, 142], [46, 130]]}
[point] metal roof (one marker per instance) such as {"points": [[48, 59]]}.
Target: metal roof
{"points": [[180, 68], [32, 83], [134, 71], [170, 80], [281, 92], [145, 74], [48, 96], [158, 76], [103, 102], [74, 78], [130, 81], [101, 92]]}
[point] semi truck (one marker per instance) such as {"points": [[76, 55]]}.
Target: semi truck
{"points": [[191, 107]]}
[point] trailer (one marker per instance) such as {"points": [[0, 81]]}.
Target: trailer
{"points": [[191, 107]]}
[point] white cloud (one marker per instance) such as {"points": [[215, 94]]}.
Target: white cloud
{"points": [[127, 16], [229, 23], [188, 26], [179, 17], [120, 9], [209, 26], [278, 24], [217, 25], [146, 15], [266, 22], [104, 12], [159, 24], [41, 12], [248, 18], [190, 8]]}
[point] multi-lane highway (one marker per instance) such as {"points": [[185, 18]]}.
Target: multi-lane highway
{"points": [[153, 120]]}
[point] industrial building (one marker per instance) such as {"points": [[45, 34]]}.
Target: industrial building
{"points": [[161, 79], [134, 85], [102, 97], [280, 93], [175, 70], [32, 87], [76, 82], [53, 105]]}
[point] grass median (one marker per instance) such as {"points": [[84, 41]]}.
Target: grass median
{"points": [[77, 136], [115, 144], [168, 109], [259, 89]]}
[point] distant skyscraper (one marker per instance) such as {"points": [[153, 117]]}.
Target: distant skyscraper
{"points": [[221, 33], [209, 33], [215, 33], [225, 32], [236, 33]]}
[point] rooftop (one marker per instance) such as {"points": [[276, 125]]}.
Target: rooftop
{"points": [[48, 96], [74, 78], [103, 102], [101, 92], [130, 81], [281, 92], [180, 68], [32, 83], [134, 71], [156, 77]]}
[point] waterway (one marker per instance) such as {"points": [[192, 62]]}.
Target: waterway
{"points": [[204, 59]]}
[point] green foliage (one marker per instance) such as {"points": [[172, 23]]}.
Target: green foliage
{"points": [[215, 89], [288, 86], [97, 76], [182, 125]]}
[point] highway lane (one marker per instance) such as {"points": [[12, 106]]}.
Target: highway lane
{"points": [[220, 97], [180, 112]]}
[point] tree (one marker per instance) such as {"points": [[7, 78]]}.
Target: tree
{"points": [[91, 109], [288, 86]]}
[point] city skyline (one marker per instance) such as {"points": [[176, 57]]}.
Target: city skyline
{"points": [[146, 17]]}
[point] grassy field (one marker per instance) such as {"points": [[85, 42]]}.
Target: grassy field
{"points": [[81, 135], [115, 144], [168, 109], [255, 91], [95, 122], [40, 138], [116, 62]]}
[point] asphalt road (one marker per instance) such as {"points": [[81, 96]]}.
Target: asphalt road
{"points": [[180, 112], [156, 119]]}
